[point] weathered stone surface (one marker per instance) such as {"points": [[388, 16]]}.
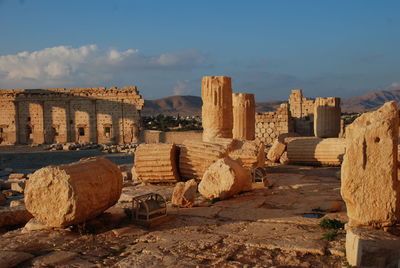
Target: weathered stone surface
{"points": [[276, 151], [370, 185], [225, 178], [16, 176], [69, 194], [250, 153], [327, 117], [16, 203], [316, 151], [279, 146], [34, 225], [14, 216], [372, 248], [157, 163], [244, 112], [10, 259], [284, 160], [217, 113], [18, 187], [197, 156], [184, 193], [54, 258]]}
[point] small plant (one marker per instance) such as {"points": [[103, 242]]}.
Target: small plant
{"points": [[330, 236], [331, 224], [215, 200]]}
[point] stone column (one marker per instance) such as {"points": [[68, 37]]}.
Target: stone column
{"points": [[244, 116], [217, 116], [327, 117]]}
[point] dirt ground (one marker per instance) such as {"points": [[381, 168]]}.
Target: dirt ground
{"points": [[268, 227]]}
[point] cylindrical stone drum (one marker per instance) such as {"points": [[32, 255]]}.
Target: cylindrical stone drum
{"points": [[69, 194]]}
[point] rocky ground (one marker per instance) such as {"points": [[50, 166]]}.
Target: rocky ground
{"points": [[273, 226]]}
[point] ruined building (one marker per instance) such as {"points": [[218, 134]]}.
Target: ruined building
{"points": [[58, 115], [306, 117]]}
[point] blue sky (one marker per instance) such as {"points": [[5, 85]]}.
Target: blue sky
{"points": [[327, 48]]}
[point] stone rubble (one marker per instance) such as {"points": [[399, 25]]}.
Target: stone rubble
{"points": [[184, 194]]}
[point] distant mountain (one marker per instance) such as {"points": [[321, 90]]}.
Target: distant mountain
{"points": [[369, 101], [174, 105], [191, 105]]}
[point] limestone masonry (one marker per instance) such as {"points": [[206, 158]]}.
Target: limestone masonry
{"points": [[36, 116]]}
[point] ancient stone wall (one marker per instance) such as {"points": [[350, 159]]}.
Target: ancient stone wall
{"points": [[270, 125], [302, 112], [75, 115], [177, 137]]}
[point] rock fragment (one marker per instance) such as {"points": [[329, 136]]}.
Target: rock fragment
{"points": [[225, 178], [184, 193]]}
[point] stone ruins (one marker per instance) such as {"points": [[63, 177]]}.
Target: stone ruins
{"points": [[226, 205], [96, 115]]}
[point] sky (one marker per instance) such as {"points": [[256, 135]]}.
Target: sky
{"points": [[327, 48]]}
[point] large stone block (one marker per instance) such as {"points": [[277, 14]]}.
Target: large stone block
{"points": [[327, 117], [217, 113], [70, 194], [244, 116], [372, 248], [225, 178], [197, 156], [370, 185], [157, 163], [184, 193], [315, 151], [250, 153]]}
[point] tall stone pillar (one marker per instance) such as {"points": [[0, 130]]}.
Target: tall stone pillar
{"points": [[244, 116], [217, 116], [327, 117]]}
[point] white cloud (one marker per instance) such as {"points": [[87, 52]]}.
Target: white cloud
{"points": [[65, 66], [182, 87]]}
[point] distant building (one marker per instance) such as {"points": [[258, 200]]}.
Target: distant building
{"points": [[36, 116]]}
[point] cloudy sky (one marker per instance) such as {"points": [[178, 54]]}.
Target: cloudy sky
{"points": [[328, 48]]}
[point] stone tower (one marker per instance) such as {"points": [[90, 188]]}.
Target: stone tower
{"points": [[244, 111], [217, 116]]}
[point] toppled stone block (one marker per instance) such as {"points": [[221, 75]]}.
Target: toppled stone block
{"points": [[10, 259], [372, 248], [316, 151], [69, 194], [251, 153], [18, 187], [184, 193], [225, 178], [16, 176], [279, 146], [197, 156], [370, 185], [284, 160], [16, 203], [14, 216], [157, 163]]}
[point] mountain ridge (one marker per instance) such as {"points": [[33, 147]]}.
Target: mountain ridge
{"points": [[187, 105]]}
